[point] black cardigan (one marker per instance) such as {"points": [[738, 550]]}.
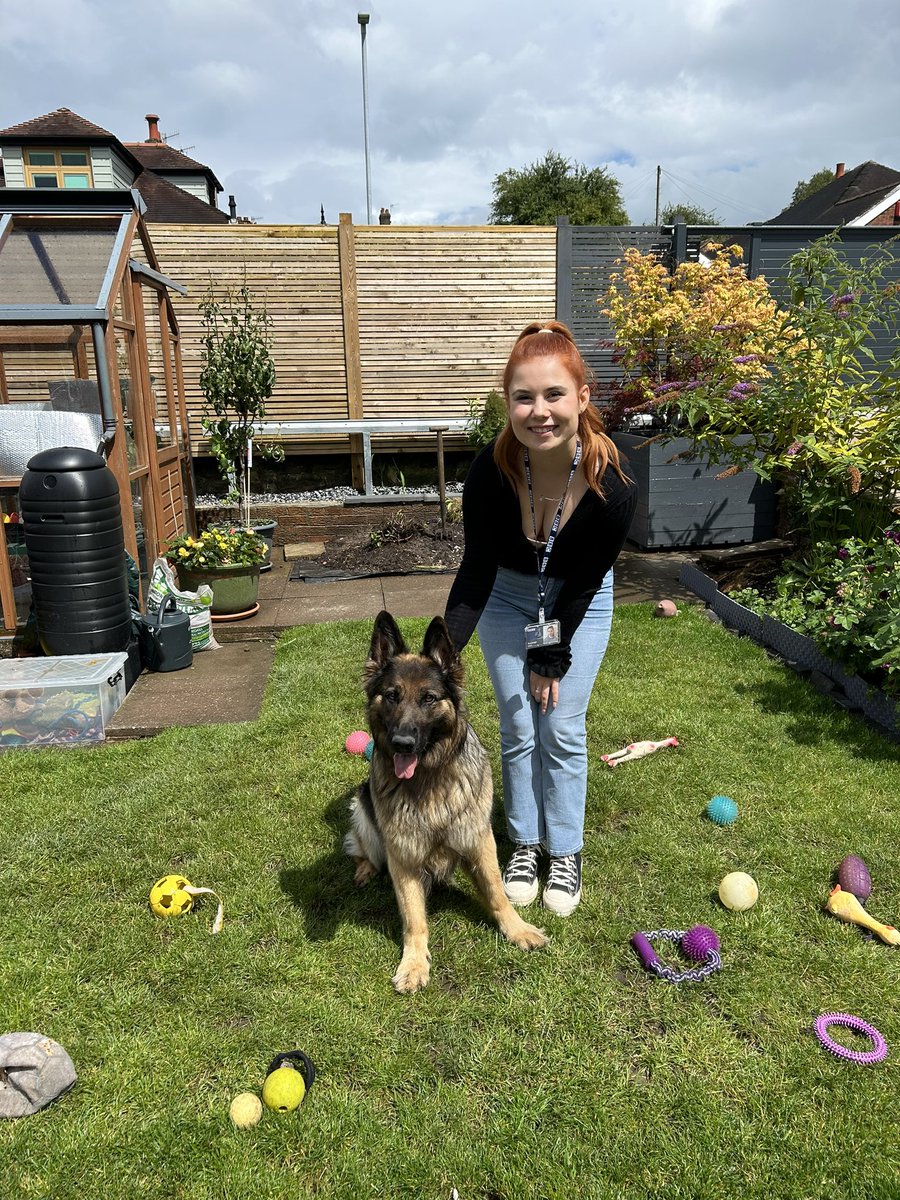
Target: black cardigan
{"points": [[583, 552]]}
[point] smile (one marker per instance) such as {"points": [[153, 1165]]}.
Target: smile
{"points": [[543, 428]]}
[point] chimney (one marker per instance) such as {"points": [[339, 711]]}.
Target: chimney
{"points": [[153, 134], [838, 170], [232, 208]]}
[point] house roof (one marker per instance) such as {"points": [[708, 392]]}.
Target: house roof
{"points": [[61, 123], [160, 156], [168, 203], [845, 199], [165, 201]]}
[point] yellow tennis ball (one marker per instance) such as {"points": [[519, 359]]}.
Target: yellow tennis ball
{"points": [[284, 1090], [168, 897], [738, 891], [246, 1109]]}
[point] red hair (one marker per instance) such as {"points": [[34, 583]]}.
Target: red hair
{"points": [[552, 339]]}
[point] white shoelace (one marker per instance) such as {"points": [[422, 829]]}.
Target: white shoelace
{"points": [[563, 874], [522, 864]]}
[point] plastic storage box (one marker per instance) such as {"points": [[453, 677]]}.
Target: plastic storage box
{"points": [[61, 701]]}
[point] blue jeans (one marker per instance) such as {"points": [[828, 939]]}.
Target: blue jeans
{"points": [[544, 756]]}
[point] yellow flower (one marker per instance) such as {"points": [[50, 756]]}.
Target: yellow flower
{"points": [[182, 553]]}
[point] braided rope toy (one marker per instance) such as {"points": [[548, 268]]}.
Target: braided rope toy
{"points": [[698, 943], [866, 1057]]}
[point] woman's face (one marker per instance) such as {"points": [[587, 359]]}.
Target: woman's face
{"points": [[544, 403]]}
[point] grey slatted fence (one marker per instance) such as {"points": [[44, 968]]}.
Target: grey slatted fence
{"points": [[586, 256]]}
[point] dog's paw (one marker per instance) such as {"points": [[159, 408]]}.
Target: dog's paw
{"points": [[412, 975], [527, 937], [365, 871]]}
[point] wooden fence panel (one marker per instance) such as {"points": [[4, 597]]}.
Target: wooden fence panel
{"points": [[439, 309], [295, 270]]}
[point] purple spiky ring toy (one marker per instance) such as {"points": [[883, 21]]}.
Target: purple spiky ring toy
{"points": [[866, 1057], [700, 944]]}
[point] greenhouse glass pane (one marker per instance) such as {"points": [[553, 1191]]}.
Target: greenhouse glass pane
{"points": [[55, 261]]}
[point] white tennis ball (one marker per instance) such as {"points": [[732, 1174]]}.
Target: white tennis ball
{"points": [[738, 891], [246, 1109]]}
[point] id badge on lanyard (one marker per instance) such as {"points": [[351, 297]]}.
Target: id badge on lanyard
{"points": [[543, 632]]}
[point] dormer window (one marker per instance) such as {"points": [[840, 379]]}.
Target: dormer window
{"points": [[58, 168]]}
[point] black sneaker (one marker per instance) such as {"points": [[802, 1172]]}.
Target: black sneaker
{"points": [[563, 890], [520, 879]]}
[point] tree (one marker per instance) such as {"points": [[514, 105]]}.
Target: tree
{"points": [[806, 187], [236, 379], [553, 188], [690, 214]]}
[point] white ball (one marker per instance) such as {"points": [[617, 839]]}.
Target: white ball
{"points": [[738, 891]]}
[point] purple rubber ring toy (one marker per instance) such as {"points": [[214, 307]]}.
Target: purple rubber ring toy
{"points": [[866, 1057]]}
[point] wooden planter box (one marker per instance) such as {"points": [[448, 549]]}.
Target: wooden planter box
{"points": [[682, 503], [798, 651]]}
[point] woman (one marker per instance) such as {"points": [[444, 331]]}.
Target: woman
{"points": [[546, 508]]}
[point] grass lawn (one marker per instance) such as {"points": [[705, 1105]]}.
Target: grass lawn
{"points": [[567, 1072]]}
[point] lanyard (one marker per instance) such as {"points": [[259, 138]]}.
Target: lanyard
{"points": [[542, 563]]}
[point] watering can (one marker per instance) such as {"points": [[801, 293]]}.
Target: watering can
{"points": [[166, 638]]}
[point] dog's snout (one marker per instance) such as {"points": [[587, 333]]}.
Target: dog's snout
{"points": [[403, 741]]}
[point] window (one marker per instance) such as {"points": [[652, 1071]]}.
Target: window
{"points": [[58, 168]]}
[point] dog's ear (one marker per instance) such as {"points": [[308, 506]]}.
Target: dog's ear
{"points": [[387, 641], [438, 645]]}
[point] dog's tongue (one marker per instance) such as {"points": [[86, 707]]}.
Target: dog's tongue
{"points": [[405, 765]]}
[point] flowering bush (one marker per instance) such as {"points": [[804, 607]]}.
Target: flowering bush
{"points": [[218, 547], [847, 598], [802, 381], [704, 326]]}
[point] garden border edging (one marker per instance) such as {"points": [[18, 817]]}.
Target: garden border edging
{"points": [[797, 650]]}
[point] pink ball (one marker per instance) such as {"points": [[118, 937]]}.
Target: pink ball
{"points": [[356, 741], [698, 941], [666, 608]]}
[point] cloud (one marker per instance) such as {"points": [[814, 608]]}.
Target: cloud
{"points": [[734, 99]]}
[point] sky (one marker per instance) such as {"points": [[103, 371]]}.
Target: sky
{"points": [[736, 100]]}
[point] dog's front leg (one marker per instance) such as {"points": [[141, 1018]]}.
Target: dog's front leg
{"points": [[412, 973], [485, 871]]}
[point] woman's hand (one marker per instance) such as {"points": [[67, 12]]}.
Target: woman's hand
{"points": [[544, 691]]}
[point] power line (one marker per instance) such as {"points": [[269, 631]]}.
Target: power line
{"points": [[719, 197]]}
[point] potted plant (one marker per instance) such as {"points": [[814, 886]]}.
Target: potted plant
{"points": [[237, 378], [228, 560]]}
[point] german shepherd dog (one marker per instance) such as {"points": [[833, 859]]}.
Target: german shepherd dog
{"points": [[426, 806]]}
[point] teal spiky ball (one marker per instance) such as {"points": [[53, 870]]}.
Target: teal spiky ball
{"points": [[722, 810]]}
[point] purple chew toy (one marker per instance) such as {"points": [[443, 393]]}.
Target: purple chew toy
{"points": [[698, 943], [866, 1057], [853, 876]]}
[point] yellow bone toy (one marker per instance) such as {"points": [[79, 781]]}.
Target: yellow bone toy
{"points": [[846, 906]]}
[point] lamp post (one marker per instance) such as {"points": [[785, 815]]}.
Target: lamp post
{"points": [[363, 19]]}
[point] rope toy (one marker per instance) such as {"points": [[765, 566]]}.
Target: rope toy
{"points": [[866, 1057], [698, 943]]}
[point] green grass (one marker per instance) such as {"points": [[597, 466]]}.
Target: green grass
{"points": [[570, 1071]]}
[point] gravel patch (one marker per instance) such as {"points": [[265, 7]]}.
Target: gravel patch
{"points": [[320, 494]]}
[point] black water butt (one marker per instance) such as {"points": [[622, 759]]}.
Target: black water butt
{"points": [[69, 505]]}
